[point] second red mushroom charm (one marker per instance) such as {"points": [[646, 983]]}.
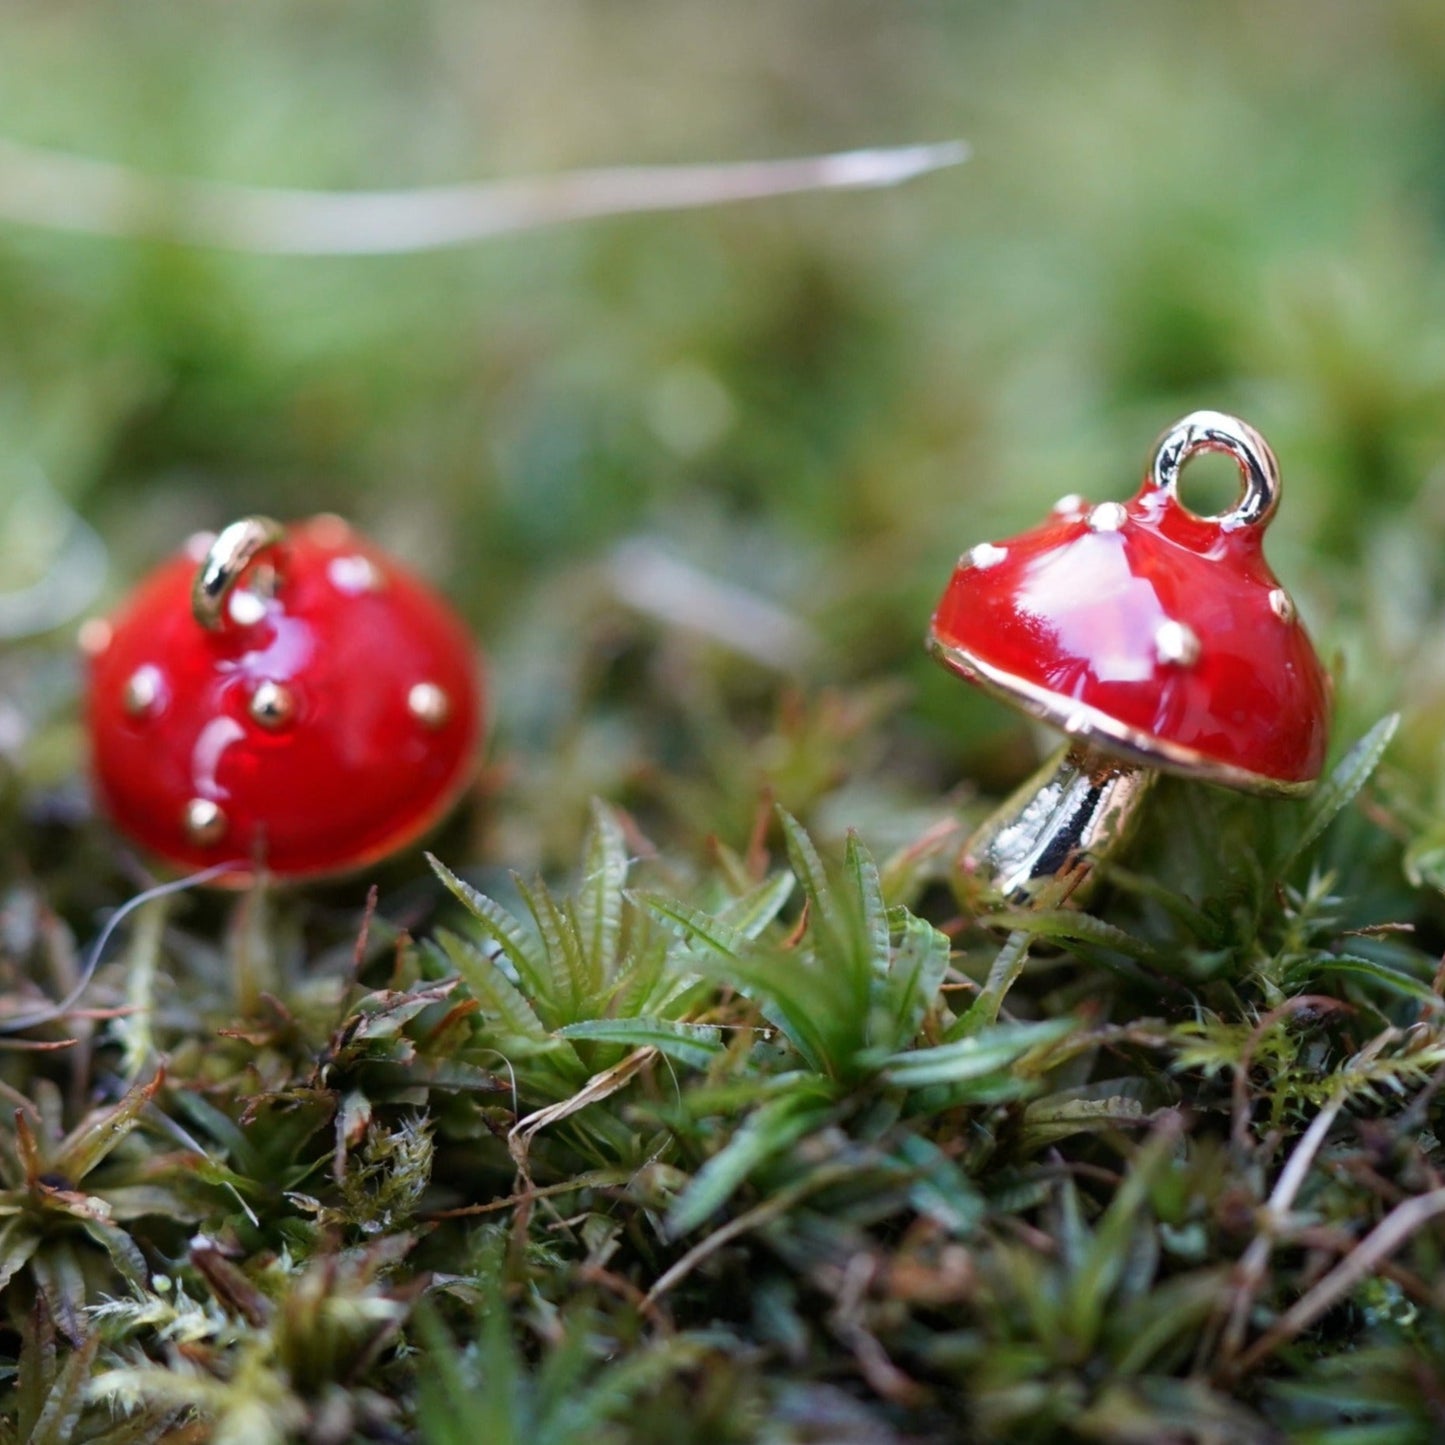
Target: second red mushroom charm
{"points": [[290, 700], [1156, 639]]}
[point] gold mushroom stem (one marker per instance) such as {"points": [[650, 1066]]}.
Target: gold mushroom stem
{"points": [[1042, 847]]}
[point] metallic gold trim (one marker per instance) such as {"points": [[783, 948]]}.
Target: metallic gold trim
{"points": [[1094, 726]]}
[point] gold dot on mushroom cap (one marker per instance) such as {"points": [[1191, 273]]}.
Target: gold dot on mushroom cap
{"points": [[985, 555], [1108, 517], [429, 704], [1281, 604], [205, 823], [354, 575], [330, 529], [94, 636], [1176, 644], [144, 691], [272, 705]]}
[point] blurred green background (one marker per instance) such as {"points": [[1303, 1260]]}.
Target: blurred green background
{"points": [[818, 400]]}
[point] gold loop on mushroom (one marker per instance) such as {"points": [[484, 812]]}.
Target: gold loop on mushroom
{"points": [[1216, 431], [226, 561]]}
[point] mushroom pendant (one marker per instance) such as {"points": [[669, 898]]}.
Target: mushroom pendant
{"points": [[1156, 639], [290, 700]]}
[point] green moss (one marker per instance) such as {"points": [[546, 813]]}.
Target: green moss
{"points": [[718, 1118]]}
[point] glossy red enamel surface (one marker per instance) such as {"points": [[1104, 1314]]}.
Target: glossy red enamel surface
{"points": [[353, 775], [1074, 613]]}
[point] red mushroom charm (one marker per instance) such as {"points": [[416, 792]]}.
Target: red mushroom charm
{"points": [[1155, 639], [292, 700]]}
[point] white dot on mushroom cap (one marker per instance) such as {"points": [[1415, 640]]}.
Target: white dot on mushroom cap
{"points": [[1108, 517], [1281, 604], [1176, 644], [1069, 506], [198, 544], [985, 555], [353, 575]]}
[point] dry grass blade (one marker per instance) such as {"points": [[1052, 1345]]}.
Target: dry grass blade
{"points": [[760, 1214], [1374, 1249], [678, 594], [74, 193], [599, 1086], [1255, 1261]]}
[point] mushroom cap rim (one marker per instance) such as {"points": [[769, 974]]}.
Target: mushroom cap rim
{"points": [[1093, 725], [243, 874]]}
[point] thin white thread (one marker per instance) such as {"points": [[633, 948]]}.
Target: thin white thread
{"points": [[161, 890]]}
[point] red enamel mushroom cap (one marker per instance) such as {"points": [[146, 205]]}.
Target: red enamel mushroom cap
{"points": [[293, 700], [1151, 632]]}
